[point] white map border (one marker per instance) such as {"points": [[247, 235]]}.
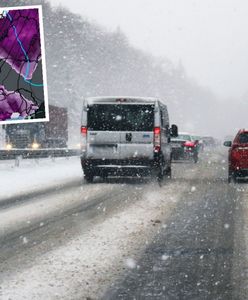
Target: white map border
{"points": [[43, 60]]}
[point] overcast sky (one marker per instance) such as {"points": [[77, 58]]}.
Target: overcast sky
{"points": [[209, 36]]}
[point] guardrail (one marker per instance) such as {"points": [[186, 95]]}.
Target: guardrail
{"points": [[37, 153]]}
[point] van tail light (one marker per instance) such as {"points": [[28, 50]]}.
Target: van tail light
{"points": [[83, 142], [157, 139], [84, 131]]}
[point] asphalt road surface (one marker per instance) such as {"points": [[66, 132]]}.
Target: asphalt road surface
{"points": [[129, 238]]}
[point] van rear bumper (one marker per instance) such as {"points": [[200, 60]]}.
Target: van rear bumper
{"points": [[115, 167], [117, 163]]}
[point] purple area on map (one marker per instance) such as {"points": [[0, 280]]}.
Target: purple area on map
{"points": [[24, 23], [13, 102]]}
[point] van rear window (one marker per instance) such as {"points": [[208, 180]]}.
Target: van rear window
{"points": [[121, 117], [243, 138]]}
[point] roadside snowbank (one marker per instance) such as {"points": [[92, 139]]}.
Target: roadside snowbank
{"points": [[33, 175]]}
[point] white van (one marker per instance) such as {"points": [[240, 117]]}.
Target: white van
{"points": [[125, 136]]}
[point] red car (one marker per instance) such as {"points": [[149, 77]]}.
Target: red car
{"points": [[238, 156], [185, 147]]}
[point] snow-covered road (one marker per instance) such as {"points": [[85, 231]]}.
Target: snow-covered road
{"points": [[76, 241]]}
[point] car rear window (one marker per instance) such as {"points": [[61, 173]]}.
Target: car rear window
{"points": [[121, 117], [243, 138], [184, 137]]}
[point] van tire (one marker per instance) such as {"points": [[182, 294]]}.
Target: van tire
{"points": [[161, 172], [88, 176], [104, 177]]}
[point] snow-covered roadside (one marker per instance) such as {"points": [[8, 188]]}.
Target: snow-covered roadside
{"points": [[35, 175], [88, 264]]}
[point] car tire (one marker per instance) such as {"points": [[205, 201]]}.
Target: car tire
{"points": [[161, 172], [195, 158], [232, 177], [168, 172]]}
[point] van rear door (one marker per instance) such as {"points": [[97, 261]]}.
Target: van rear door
{"points": [[136, 131], [103, 135]]}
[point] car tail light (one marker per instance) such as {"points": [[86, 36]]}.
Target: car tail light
{"points": [[189, 144], [239, 147], [84, 131], [157, 139], [235, 152], [235, 155]]}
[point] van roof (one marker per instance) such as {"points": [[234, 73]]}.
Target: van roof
{"points": [[124, 99]]}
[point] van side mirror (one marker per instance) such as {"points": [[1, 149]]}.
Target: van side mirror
{"points": [[228, 144], [174, 131]]}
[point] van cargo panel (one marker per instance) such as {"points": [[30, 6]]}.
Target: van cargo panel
{"points": [[103, 144], [136, 144]]}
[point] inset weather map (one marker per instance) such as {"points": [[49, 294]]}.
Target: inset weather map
{"points": [[23, 86]]}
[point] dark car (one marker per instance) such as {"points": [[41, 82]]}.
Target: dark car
{"points": [[238, 156], [184, 147]]}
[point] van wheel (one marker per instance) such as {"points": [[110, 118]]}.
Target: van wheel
{"points": [[161, 172], [88, 176], [104, 177]]}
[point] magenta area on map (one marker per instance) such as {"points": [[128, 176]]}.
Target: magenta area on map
{"points": [[20, 42], [13, 102]]}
